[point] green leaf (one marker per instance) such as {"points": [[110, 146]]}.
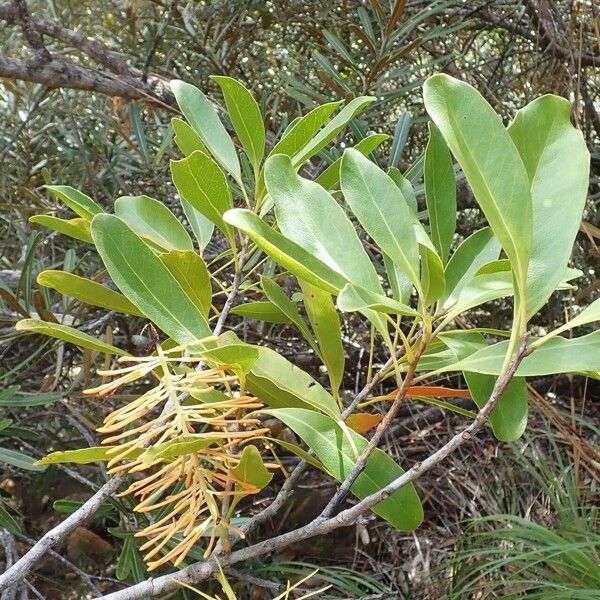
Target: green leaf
{"points": [[509, 417], [303, 130], [310, 217], [405, 187], [201, 115], [328, 133], [278, 297], [482, 288], [261, 311], [246, 118], [67, 334], [8, 521], [75, 228], [326, 325], [330, 177], [70, 506], [590, 314], [81, 456], [557, 162], [202, 184], [186, 138], [251, 469], [202, 227], [330, 443], [11, 397], [280, 384], [287, 253], [77, 201], [379, 206], [475, 251], [19, 460], [152, 220], [490, 162], [146, 281], [176, 447], [237, 355], [353, 298], [433, 281], [88, 291], [440, 192], [192, 275], [130, 562], [557, 355]]}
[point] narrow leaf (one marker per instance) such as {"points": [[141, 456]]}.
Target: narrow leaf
{"points": [[78, 229]]}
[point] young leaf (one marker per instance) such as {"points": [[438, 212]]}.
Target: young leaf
{"points": [[440, 192], [201, 115], [201, 183], [81, 456], [246, 118], [146, 281], [280, 384], [557, 163], [310, 217], [379, 206], [302, 131], [261, 311], [67, 334], [330, 177], [175, 447], [286, 252], [251, 469], [78, 229], [186, 138], [152, 220], [279, 298], [475, 251], [88, 291], [77, 201], [353, 298], [332, 128], [490, 161], [433, 282], [326, 325], [556, 355], [192, 275], [325, 437]]}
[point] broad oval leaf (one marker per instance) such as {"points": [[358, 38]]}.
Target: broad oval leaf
{"points": [[77, 201], [475, 251], [78, 229], [245, 116], [202, 184], [287, 253], [201, 115], [381, 209], [88, 291], [326, 325], [152, 220], [557, 162], [261, 311], [146, 281], [353, 298], [490, 161], [67, 334], [556, 355], [329, 442], [310, 217], [186, 138], [192, 275], [440, 192], [280, 384]]}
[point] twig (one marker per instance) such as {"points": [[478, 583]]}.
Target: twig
{"points": [[203, 570], [20, 569], [160, 32]]}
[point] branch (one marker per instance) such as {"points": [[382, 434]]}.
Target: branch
{"points": [[19, 570], [62, 73], [203, 570]]}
